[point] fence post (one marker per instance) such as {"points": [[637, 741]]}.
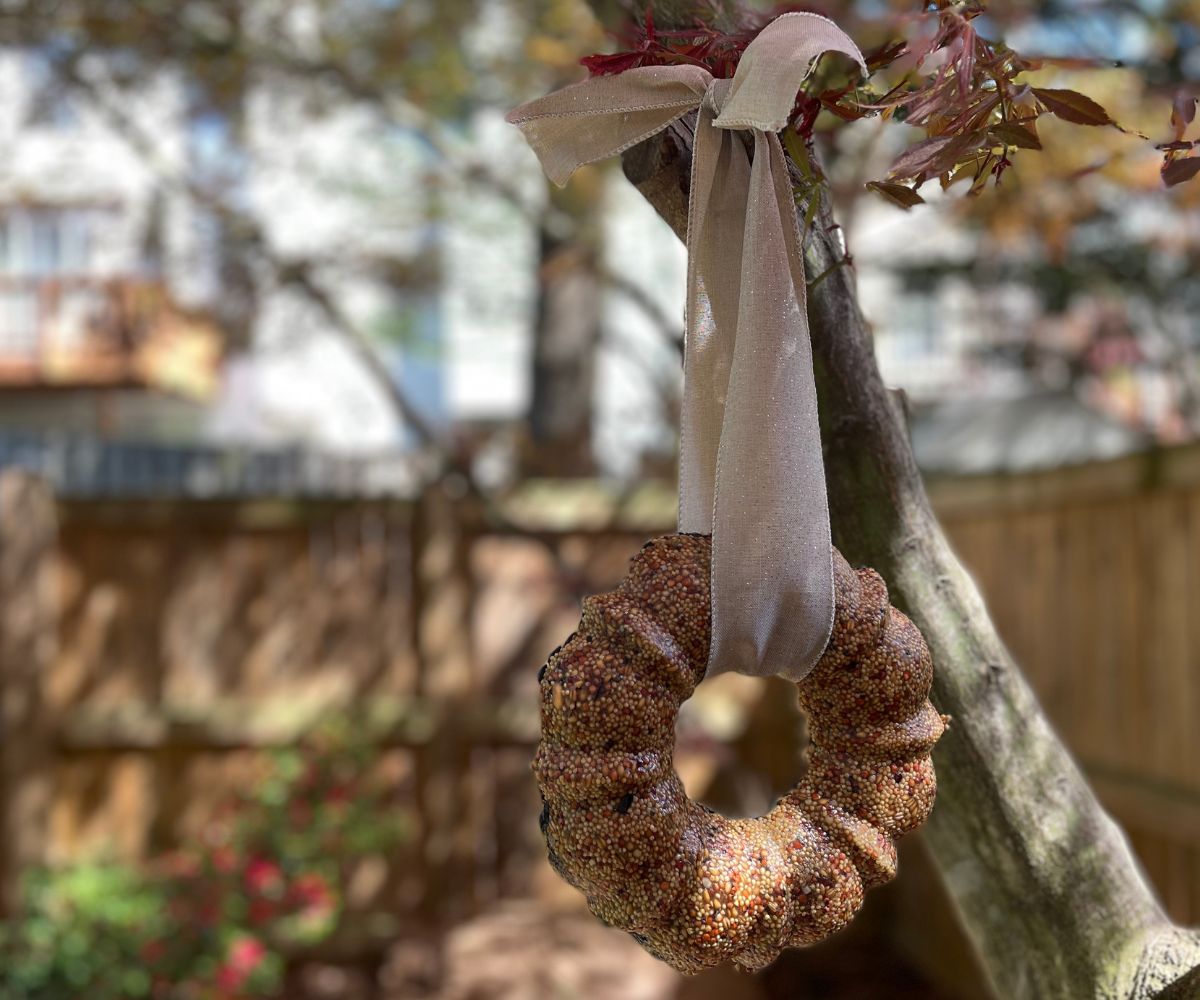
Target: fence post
{"points": [[27, 644], [442, 597]]}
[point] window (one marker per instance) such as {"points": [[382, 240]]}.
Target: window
{"points": [[47, 272], [47, 242]]}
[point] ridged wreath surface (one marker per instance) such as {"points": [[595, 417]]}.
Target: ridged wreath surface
{"points": [[697, 889]]}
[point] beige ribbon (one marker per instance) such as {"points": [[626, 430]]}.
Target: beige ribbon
{"points": [[750, 466]]}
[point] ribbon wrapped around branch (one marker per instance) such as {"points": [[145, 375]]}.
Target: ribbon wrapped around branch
{"points": [[750, 467]]}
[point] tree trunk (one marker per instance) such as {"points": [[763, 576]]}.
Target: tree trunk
{"points": [[566, 337], [1044, 880]]}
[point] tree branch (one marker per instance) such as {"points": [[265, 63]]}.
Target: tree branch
{"points": [[461, 159], [1045, 882]]}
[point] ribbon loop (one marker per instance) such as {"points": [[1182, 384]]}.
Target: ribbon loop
{"points": [[602, 117], [750, 466], [774, 66]]}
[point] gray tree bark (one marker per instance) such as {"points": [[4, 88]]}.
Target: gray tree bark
{"points": [[566, 338], [1045, 882]]}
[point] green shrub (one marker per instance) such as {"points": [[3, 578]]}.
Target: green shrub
{"points": [[82, 935]]}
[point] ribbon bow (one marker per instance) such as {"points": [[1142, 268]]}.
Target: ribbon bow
{"points": [[750, 466]]}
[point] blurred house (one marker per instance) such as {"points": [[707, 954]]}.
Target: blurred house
{"points": [[94, 332], [1043, 431], [103, 338], [144, 335], [122, 368], [988, 302], [132, 327]]}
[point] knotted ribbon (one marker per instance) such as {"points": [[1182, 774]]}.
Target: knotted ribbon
{"points": [[750, 466]]}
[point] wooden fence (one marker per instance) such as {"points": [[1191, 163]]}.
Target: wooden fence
{"points": [[151, 651], [1092, 575]]}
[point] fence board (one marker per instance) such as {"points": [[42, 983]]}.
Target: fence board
{"points": [[1092, 576], [28, 536]]}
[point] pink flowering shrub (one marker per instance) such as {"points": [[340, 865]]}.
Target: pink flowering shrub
{"points": [[216, 918]]}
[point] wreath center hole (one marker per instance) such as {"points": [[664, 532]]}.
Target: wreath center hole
{"points": [[739, 743]]}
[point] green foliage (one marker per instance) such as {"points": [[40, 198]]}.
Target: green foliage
{"points": [[215, 919], [82, 935], [320, 802]]}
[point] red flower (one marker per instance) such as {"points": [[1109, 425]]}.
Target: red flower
{"points": [[245, 955], [264, 878], [312, 890]]}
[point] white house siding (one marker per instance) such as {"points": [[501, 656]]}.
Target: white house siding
{"points": [[339, 190], [489, 256], [640, 371]]}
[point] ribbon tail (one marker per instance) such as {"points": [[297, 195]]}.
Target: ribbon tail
{"points": [[772, 573], [716, 232]]}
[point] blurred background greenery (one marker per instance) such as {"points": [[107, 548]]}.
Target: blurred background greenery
{"points": [[320, 410]]}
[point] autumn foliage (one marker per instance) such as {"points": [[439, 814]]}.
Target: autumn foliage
{"points": [[966, 92]]}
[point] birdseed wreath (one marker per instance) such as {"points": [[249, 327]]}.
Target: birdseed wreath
{"points": [[694, 888]]}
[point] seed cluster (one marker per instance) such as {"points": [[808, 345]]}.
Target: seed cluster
{"points": [[694, 888]]}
